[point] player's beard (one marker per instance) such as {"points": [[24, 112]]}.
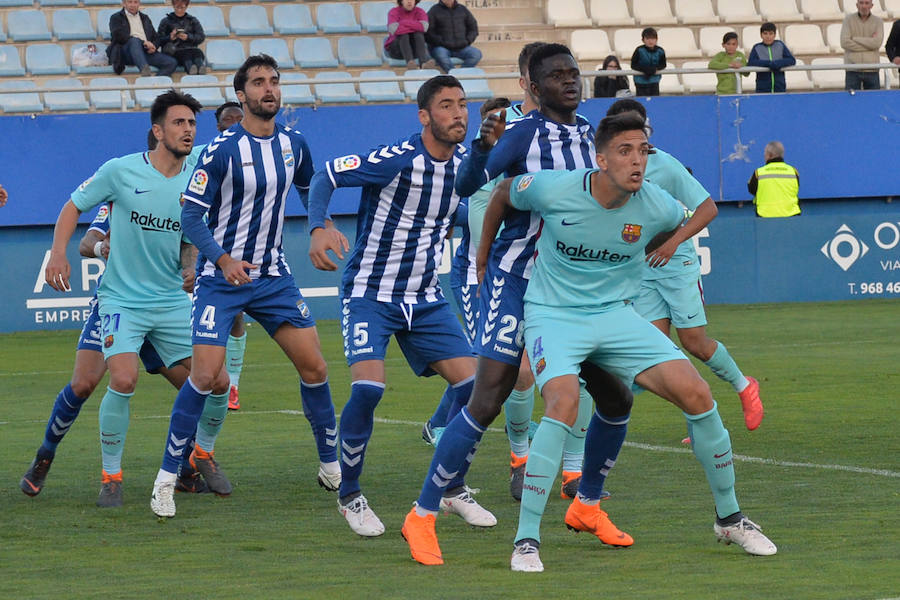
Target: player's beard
{"points": [[257, 110], [448, 135], [177, 152]]}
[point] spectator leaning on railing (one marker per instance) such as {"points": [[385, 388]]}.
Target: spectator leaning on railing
{"points": [[861, 37], [180, 35], [773, 55]]}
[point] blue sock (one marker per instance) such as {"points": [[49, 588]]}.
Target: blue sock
{"points": [[65, 411], [210, 424], [455, 450], [726, 369], [712, 447], [183, 424], [439, 418], [319, 411], [357, 420], [114, 417], [462, 391], [518, 408], [602, 443]]}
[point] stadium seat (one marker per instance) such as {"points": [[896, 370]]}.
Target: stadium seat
{"points": [[156, 13], [16, 3], [833, 38], [224, 55], [711, 39], [611, 13], [476, 89], [805, 39], [230, 94], [277, 48], [653, 13], [229, 1], [373, 16], [335, 92], [2, 33], [27, 102], [828, 80], [889, 77], [145, 98], [797, 81], [749, 36], [314, 52], [625, 40], [779, 11], [821, 10], [427, 4], [695, 12], [250, 19], [411, 88], [109, 99], [73, 24], [27, 26], [381, 91], [101, 50], [207, 96], [103, 21], [46, 59], [679, 42], [10, 63], [293, 19], [698, 83], [670, 85], [62, 101], [293, 91], [213, 20], [590, 44], [567, 13], [52, 3], [891, 9], [358, 51], [737, 11], [337, 17]]}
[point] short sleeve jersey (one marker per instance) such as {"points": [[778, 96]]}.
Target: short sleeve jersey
{"points": [[144, 267], [589, 256]]}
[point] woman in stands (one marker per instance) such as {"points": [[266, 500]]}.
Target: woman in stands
{"points": [[407, 24], [612, 86]]}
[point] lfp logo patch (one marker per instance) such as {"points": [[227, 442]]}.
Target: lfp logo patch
{"points": [[198, 182], [631, 233], [346, 163], [102, 214], [524, 182]]}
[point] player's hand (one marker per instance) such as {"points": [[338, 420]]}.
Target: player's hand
{"points": [[57, 272], [3, 196], [188, 276], [235, 271], [321, 240], [492, 128], [661, 256], [104, 247]]}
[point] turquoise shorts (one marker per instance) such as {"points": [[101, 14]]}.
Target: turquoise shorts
{"points": [[679, 299], [616, 339], [168, 329]]}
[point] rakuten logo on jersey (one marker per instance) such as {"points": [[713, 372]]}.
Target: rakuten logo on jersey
{"points": [[149, 222], [581, 253]]}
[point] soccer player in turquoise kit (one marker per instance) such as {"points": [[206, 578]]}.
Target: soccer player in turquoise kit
{"points": [[598, 224]]}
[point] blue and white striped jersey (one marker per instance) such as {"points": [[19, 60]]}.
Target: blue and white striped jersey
{"points": [[244, 181], [407, 205], [462, 267]]}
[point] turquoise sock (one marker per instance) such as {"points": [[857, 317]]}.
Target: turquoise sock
{"points": [[712, 447], [114, 413], [540, 472], [211, 419], [573, 450], [234, 357], [726, 369], [518, 408]]}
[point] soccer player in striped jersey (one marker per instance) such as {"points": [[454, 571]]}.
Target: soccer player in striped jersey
{"points": [[242, 181], [390, 284]]}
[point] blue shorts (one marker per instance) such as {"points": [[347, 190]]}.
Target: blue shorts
{"points": [[617, 339], [271, 301], [463, 294], [501, 309], [90, 340], [426, 333], [679, 299], [127, 329]]}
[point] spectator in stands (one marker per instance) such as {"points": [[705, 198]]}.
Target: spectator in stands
{"points": [[861, 37], [611, 86], [451, 32], [773, 55], [132, 36], [775, 186], [180, 35], [729, 58], [407, 24], [648, 58], [892, 47], [3, 196]]}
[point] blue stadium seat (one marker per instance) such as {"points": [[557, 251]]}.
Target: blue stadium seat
{"points": [[380, 91], [476, 89], [46, 59], [101, 50], [110, 99], [335, 92], [55, 3], [392, 62], [27, 26], [100, 3], [249, 20], [212, 19], [293, 19], [10, 63], [223, 1], [73, 24], [145, 98], [373, 16], [16, 3], [358, 51], [314, 52], [156, 13], [2, 33], [103, 21], [411, 88], [224, 55], [427, 4], [29, 102], [337, 17], [230, 95], [207, 96], [277, 48], [293, 91], [61, 101]]}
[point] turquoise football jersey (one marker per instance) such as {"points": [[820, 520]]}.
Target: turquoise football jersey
{"points": [[667, 172], [144, 267], [589, 256]]}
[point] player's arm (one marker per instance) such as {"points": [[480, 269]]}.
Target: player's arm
{"points": [[58, 268], [188, 266], [323, 235], [473, 171], [701, 217], [94, 243], [498, 205]]}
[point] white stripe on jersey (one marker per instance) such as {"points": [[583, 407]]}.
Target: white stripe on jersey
{"points": [[371, 247]]}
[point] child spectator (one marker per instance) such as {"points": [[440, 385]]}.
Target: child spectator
{"points": [[648, 58], [407, 24], [611, 86], [729, 58], [771, 54], [180, 35]]}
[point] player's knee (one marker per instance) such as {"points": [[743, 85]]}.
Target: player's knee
{"points": [[525, 379], [83, 386], [313, 373], [221, 383], [615, 402], [696, 397], [123, 383], [484, 408]]}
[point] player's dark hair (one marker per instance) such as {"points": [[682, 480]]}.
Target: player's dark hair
{"points": [[525, 56], [431, 87], [767, 26], [728, 37], [649, 32], [493, 104], [225, 107], [540, 55], [625, 105], [172, 98], [257, 60], [152, 142], [612, 126]]}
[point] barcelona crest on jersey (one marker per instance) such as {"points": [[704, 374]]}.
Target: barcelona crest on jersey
{"points": [[631, 233]]}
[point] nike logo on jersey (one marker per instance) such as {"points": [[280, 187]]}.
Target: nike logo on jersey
{"points": [[568, 223], [137, 191]]}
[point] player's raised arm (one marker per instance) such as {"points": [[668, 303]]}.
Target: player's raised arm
{"points": [[497, 206], [58, 268], [472, 172]]}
